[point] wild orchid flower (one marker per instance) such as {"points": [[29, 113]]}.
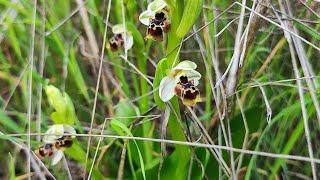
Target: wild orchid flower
{"points": [[56, 141], [157, 19], [181, 81], [118, 41]]}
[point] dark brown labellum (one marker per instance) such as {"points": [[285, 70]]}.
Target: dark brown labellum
{"points": [[187, 91], [183, 79], [116, 42], [67, 143], [154, 32], [48, 149], [190, 93], [64, 142], [158, 25], [42, 152], [45, 150]]}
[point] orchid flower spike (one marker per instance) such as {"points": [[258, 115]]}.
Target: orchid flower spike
{"points": [[56, 141], [118, 41], [182, 81], [157, 19]]}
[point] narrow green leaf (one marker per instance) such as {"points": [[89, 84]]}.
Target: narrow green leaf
{"points": [[71, 117], [160, 73], [190, 14], [126, 109], [12, 173], [55, 98], [57, 117], [137, 37], [75, 72], [65, 112], [123, 130], [9, 124]]}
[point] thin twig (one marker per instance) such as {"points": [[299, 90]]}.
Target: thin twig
{"points": [[285, 29], [245, 139], [66, 166], [231, 82], [210, 141], [165, 121], [31, 57], [246, 36], [195, 144], [301, 95], [266, 101], [98, 83], [87, 27], [122, 159], [41, 67], [136, 69]]}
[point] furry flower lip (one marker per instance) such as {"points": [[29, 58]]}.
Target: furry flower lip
{"points": [[55, 142], [49, 149], [157, 19], [187, 91], [117, 41], [182, 81]]}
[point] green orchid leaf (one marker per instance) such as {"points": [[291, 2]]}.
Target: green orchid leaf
{"points": [[126, 109], [137, 37], [64, 108], [71, 117], [57, 118], [160, 73], [190, 14], [12, 173], [122, 130], [55, 98]]}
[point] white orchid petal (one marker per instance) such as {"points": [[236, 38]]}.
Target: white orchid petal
{"points": [[53, 133], [129, 41], [145, 17], [157, 5], [118, 29], [166, 88], [57, 156], [194, 76], [185, 65], [195, 82], [69, 130]]}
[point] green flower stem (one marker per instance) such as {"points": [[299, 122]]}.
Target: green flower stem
{"points": [[144, 105], [209, 37], [143, 102], [176, 130], [135, 84], [139, 49]]}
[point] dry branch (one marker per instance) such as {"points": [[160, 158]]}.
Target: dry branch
{"points": [[254, 26]]}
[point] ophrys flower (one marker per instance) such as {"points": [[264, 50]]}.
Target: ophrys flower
{"points": [[157, 19], [118, 41], [181, 81], [56, 139]]}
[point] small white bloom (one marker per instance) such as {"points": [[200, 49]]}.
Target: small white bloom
{"points": [[55, 132], [120, 32], [168, 84], [153, 8], [53, 135]]}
